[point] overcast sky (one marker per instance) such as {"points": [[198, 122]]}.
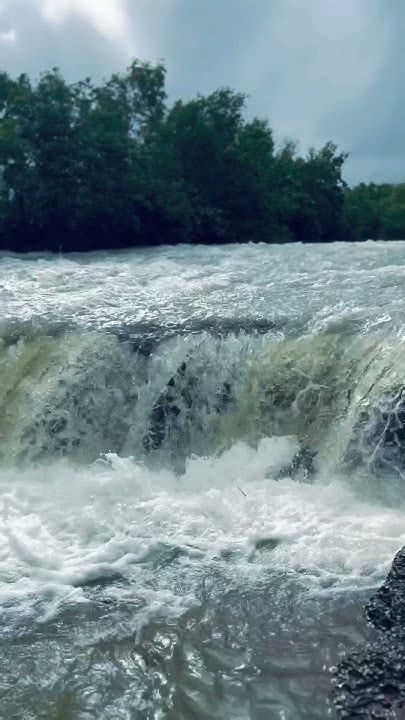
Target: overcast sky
{"points": [[318, 69]]}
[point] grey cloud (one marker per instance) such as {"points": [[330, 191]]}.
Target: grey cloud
{"points": [[319, 69]]}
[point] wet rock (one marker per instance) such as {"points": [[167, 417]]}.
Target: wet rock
{"points": [[302, 466], [145, 337], [99, 578], [370, 683], [386, 610], [378, 441], [178, 400], [267, 543], [177, 394]]}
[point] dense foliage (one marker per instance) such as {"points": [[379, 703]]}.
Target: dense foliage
{"points": [[375, 211], [88, 166]]}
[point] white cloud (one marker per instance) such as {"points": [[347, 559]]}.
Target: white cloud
{"points": [[10, 36], [108, 17]]}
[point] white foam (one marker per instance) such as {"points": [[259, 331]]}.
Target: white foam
{"points": [[287, 283], [61, 526]]}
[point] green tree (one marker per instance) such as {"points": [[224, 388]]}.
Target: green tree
{"points": [[392, 208], [89, 166], [362, 213], [317, 203], [374, 212]]}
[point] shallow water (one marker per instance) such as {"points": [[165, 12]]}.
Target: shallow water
{"points": [[153, 563]]}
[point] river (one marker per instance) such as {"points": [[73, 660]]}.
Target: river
{"points": [[167, 550]]}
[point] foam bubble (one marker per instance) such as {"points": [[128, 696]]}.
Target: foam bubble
{"points": [[64, 527]]}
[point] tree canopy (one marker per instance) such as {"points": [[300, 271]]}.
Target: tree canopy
{"points": [[88, 166]]}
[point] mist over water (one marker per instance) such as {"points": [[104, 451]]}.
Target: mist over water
{"points": [[156, 561]]}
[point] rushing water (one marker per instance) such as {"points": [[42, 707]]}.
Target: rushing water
{"points": [[154, 561]]}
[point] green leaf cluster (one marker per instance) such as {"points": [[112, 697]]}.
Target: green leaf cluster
{"points": [[89, 166]]}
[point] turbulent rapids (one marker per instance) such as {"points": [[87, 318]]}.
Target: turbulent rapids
{"points": [[202, 458], [81, 394]]}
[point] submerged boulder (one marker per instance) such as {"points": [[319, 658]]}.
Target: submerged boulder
{"points": [[370, 683], [302, 466], [176, 396], [181, 405], [378, 440]]}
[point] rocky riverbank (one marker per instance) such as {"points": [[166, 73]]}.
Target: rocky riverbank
{"points": [[370, 683]]}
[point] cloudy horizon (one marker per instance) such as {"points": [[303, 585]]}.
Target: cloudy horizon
{"points": [[318, 69]]}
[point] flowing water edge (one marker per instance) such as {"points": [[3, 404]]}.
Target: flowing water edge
{"points": [[202, 457]]}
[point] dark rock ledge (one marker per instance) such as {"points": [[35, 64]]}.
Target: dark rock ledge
{"points": [[370, 683]]}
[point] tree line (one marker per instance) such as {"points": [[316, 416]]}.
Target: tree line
{"points": [[87, 166]]}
